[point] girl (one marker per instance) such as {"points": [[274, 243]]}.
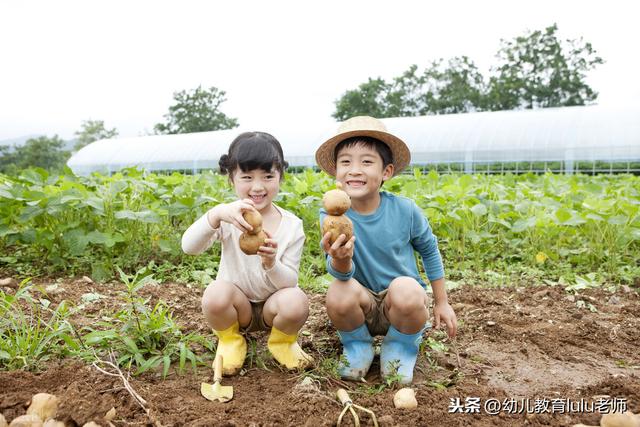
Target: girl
{"points": [[252, 292]]}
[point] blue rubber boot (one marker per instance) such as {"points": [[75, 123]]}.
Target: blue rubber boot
{"points": [[399, 351], [358, 351]]}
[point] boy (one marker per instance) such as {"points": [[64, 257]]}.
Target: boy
{"points": [[377, 288]]}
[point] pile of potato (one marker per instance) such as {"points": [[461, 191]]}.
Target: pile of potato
{"points": [[42, 413]]}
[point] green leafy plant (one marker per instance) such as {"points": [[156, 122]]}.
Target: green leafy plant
{"points": [[143, 336], [31, 332]]}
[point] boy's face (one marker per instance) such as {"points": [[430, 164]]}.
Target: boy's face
{"points": [[359, 169], [257, 185]]}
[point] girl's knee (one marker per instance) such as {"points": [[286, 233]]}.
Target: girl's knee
{"points": [[217, 297], [293, 305]]}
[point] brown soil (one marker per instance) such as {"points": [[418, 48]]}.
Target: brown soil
{"points": [[521, 343]]}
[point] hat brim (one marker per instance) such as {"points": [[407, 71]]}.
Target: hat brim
{"points": [[401, 155]]}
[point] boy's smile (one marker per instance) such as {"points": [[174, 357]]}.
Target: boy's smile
{"points": [[359, 169]]}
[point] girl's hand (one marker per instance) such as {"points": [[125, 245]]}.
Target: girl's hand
{"points": [[268, 251], [232, 213], [443, 313]]}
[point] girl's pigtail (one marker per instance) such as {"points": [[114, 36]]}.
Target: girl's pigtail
{"points": [[223, 163]]}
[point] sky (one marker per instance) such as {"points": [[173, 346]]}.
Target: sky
{"points": [[281, 63]]}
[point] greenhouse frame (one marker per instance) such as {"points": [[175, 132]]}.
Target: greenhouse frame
{"points": [[585, 139]]}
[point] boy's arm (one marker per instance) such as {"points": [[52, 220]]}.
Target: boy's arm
{"points": [[426, 244], [442, 310], [424, 241]]}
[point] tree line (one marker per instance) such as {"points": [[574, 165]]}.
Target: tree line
{"points": [[534, 70]]}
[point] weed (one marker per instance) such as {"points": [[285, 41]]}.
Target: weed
{"points": [[31, 332], [145, 337]]}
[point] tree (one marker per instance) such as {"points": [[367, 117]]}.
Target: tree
{"points": [[93, 130], [43, 151], [196, 111], [534, 71], [445, 87], [7, 159], [537, 70], [369, 99]]}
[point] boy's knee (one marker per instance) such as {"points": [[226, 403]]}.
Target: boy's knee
{"points": [[406, 296], [341, 299]]}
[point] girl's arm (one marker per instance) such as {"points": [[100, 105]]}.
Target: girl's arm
{"points": [[284, 273], [200, 236], [202, 233]]}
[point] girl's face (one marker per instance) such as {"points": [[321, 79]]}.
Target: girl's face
{"points": [[257, 185]]}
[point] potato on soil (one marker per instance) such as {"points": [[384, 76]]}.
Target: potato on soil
{"points": [[616, 419], [3, 421], [43, 405], [30, 420], [336, 202], [337, 225], [250, 243], [405, 398]]}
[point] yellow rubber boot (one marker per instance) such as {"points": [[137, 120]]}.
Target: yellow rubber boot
{"points": [[233, 348], [286, 351]]}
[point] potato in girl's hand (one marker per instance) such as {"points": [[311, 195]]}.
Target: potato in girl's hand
{"points": [[251, 241]]}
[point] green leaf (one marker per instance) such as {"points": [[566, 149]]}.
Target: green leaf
{"points": [[131, 345], [167, 363], [479, 209], [563, 215]]}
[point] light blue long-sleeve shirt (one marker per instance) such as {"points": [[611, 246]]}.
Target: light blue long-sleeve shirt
{"points": [[385, 244]]}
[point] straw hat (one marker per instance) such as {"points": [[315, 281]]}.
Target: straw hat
{"points": [[363, 126]]}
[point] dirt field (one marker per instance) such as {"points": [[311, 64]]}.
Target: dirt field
{"points": [[522, 343]]}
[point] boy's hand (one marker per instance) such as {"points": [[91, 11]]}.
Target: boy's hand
{"points": [[232, 213], [268, 251], [338, 251], [443, 313]]}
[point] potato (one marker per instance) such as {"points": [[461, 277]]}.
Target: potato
{"points": [[405, 398], [337, 225], [616, 419], [30, 420], [110, 415], [336, 202], [3, 421], [91, 424], [43, 405], [53, 423], [254, 219], [250, 243]]}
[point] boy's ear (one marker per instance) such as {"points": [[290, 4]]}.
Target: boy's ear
{"points": [[387, 172]]}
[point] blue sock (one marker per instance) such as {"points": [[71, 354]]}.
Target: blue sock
{"points": [[358, 351], [399, 351]]}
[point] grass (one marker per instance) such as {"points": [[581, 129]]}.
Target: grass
{"points": [[145, 337], [31, 333]]}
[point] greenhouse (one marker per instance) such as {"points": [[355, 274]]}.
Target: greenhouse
{"points": [[586, 139]]}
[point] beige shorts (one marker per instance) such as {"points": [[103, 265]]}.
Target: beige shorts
{"points": [[376, 319], [257, 322]]}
